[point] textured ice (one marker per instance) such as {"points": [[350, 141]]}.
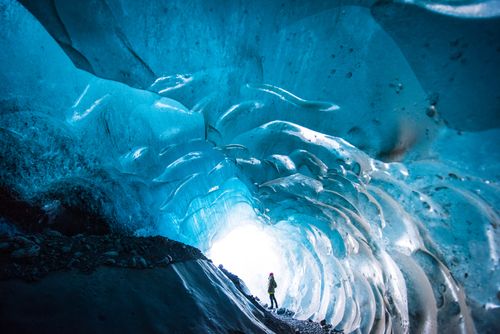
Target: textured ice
{"points": [[362, 135]]}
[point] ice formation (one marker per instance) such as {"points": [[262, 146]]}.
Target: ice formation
{"points": [[360, 137]]}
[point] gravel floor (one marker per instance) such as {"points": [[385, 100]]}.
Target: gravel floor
{"points": [[302, 326]]}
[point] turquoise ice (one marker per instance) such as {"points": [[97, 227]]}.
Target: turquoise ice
{"points": [[352, 146]]}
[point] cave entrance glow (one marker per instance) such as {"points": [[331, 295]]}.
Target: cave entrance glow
{"points": [[251, 251]]}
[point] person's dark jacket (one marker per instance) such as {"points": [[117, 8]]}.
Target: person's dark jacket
{"points": [[271, 284]]}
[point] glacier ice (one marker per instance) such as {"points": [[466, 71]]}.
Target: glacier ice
{"points": [[360, 136]]}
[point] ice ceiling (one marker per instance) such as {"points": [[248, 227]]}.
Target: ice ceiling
{"points": [[358, 139]]}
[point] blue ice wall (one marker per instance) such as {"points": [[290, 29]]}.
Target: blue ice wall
{"points": [[364, 133], [401, 60]]}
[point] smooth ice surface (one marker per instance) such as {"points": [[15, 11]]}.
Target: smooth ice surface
{"points": [[362, 137]]}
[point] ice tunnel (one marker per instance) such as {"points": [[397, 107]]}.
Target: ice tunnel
{"points": [[350, 147]]}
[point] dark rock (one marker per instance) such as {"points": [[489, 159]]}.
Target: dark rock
{"points": [[5, 246], [431, 111], [21, 213], [75, 206], [71, 262], [53, 233], [111, 253], [22, 241], [142, 263], [31, 251], [166, 260], [68, 207]]}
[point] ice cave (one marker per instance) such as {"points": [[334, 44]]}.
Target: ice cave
{"points": [[158, 159]]}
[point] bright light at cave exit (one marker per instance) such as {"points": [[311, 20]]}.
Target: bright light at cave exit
{"points": [[251, 250]]}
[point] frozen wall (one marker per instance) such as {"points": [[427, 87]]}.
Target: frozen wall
{"points": [[362, 136]]}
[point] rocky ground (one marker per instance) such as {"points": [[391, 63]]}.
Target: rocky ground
{"points": [[302, 326], [32, 256]]}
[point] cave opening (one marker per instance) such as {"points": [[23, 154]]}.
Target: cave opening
{"points": [[252, 249]]}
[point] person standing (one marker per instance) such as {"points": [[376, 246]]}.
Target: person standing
{"points": [[271, 286]]}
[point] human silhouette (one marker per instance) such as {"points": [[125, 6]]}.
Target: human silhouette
{"points": [[271, 285]]}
